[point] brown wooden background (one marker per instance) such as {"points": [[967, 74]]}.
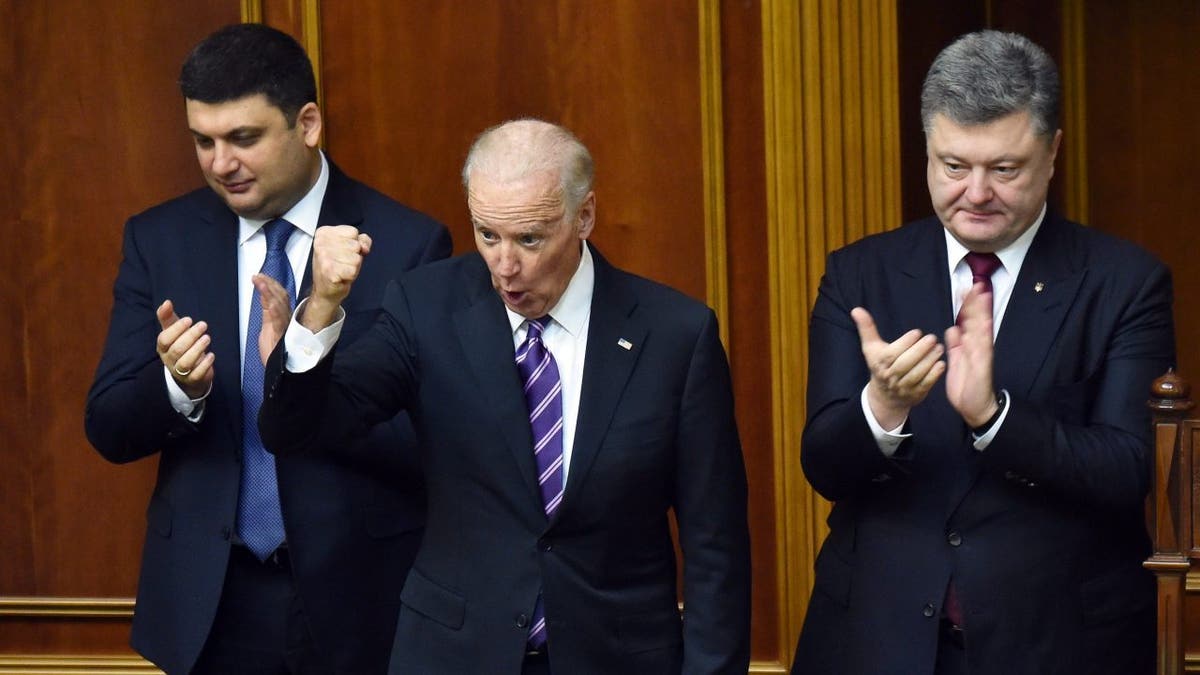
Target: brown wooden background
{"points": [[99, 134]]}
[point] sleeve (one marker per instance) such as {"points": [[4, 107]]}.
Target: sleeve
{"points": [[346, 393], [710, 510], [129, 414], [1092, 441], [839, 452]]}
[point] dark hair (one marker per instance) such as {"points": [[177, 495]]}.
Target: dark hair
{"points": [[245, 59], [987, 75]]}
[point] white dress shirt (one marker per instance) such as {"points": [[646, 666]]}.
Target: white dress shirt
{"points": [[251, 252], [1003, 281]]}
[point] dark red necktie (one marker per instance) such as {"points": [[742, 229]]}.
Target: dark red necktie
{"points": [[983, 266]]}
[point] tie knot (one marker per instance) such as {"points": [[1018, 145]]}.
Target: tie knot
{"points": [[277, 232], [982, 265], [537, 326]]}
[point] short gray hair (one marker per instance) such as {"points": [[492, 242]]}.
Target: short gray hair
{"points": [[984, 76], [518, 148]]}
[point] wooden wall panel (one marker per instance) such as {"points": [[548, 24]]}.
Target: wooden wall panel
{"points": [[749, 299], [408, 86], [99, 134], [1143, 90]]}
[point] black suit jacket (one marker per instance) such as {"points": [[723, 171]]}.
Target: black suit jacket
{"points": [[655, 433], [1043, 531], [350, 526]]}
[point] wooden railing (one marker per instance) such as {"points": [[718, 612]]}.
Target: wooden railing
{"points": [[1174, 502]]}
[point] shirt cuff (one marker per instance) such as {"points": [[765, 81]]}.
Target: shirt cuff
{"points": [[888, 441], [304, 348], [191, 408], [982, 441]]}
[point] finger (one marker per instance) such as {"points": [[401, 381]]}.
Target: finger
{"points": [[170, 334], [914, 377], [867, 331], [184, 342], [166, 314], [913, 354], [193, 355], [364, 243], [203, 370]]}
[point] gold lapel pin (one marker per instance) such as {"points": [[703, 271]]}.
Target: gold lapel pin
{"points": [[1038, 287], [624, 344]]}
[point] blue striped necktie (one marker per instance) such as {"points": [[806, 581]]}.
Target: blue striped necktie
{"points": [[543, 394], [259, 517]]}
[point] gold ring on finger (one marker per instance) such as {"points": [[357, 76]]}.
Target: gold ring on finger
{"points": [[181, 373]]}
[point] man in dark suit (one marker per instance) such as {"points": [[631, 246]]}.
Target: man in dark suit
{"points": [[993, 525], [563, 408], [252, 565]]}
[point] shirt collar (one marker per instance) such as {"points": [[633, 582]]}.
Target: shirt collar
{"points": [[572, 309], [1011, 256], [303, 215]]}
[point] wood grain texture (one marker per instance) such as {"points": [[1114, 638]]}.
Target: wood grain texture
{"points": [[1143, 88], [409, 85], [99, 134]]}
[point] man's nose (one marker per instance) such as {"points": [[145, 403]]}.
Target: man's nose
{"points": [[979, 187], [225, 160]]}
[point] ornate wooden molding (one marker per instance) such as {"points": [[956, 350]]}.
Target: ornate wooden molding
{"points": [[81, 608], [712, 147], [1074, 83], [830, 80]]}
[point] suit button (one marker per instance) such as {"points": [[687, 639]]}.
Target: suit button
{"points": [[522, 621], [545, 546], [954, 538], [225, 532], [928, 610]]}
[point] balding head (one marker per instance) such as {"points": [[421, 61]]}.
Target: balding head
{"points": [[518, 149]]}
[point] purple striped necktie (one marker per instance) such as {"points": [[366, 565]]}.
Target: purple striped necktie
{"points": [[543, 394]]}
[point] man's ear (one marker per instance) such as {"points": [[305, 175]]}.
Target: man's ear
{"points": [[586, 216], [310, 123]]}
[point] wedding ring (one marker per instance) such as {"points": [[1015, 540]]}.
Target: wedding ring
{"points": [[181, 373]]}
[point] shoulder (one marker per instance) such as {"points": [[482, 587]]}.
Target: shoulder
{"points": [[379, 209], [179, 210], [1110, 256], [656, 302], [874, 250]]}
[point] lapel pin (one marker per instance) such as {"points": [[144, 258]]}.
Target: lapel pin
{"points": [[624, 344], [1038, 287]]}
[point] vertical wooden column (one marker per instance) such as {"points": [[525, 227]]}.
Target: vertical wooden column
{"points": [[832, 127], [1171, 500]]}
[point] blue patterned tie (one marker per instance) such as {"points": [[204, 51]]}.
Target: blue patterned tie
{"points": [[543, 394], [259, 518]]}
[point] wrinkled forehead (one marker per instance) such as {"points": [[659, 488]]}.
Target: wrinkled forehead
{"points": [[535, 198]]}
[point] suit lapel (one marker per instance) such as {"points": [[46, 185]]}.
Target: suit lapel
{"points": [[925, 273], [213, 249], [1045, 289], [485, 336], [606, 369]]}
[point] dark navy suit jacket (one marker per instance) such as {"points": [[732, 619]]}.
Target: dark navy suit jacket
{"points": [[352, 527], [655, 433], [1043, 531]]}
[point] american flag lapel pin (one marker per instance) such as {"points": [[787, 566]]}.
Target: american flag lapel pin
{"points": [[624, 344]]}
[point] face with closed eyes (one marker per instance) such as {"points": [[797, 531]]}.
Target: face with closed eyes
{"points": [[988, 182], [531, 244]]}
